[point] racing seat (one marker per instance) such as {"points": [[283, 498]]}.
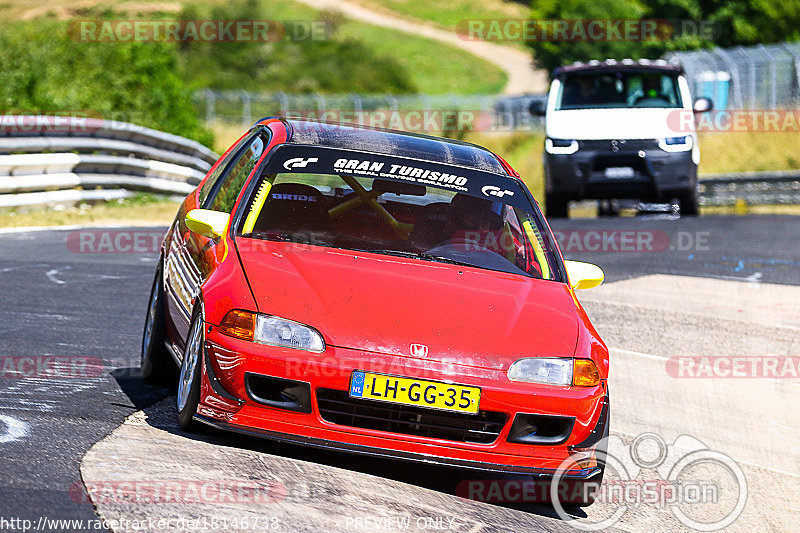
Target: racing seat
{"points": [[293, 207], [431, 226], [470, 214], [479, 222]]}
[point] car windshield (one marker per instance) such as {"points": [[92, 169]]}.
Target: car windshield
{"points": [[619, 90], [387, 216]]}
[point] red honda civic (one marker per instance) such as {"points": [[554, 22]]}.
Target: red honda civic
{"points": [[381, 293]]}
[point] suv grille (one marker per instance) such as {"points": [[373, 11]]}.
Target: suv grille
{"points": [[622, 145], [339, 408]]}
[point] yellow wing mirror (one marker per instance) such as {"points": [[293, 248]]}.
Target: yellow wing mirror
{"points": [[584, 275], [207, 223]]}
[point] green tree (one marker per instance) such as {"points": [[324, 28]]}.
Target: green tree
{"points": [[734, 22], [45, 70], [328, 65]]}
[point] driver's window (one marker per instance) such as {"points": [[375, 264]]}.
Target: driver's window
{"points": [[231, 184]]}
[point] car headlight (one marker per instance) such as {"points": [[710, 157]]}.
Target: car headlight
{"points": [[555, 371], [281, 332], [548, 370], [271, 330], [560, 146], [676, 144]]}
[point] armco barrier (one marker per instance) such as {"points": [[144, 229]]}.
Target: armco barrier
{"points": [[51, 159], [755, 188]]}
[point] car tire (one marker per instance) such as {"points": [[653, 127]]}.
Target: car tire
{"points": [[601, 454], [602, 448], [690, 203], [188, 397], [156, 363], [556, 206], [607, 208]]}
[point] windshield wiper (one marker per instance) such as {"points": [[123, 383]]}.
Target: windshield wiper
{"points": [[285, 237], [443, 259], [421, 255], [400, 253], [271, 235]]}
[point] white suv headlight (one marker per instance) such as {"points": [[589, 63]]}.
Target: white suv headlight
{"points": [[676, 144], [560, 146], [287, 333], [550, 370]]}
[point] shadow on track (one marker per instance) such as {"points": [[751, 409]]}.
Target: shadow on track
{"points": [[446, 480]]}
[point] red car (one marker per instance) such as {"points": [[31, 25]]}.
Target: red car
{"points": [[381, 293]]}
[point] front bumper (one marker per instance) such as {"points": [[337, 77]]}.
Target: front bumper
{"points": [[658, 175], [227, 404]]}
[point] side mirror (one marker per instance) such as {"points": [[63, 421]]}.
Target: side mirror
{"points": [[584, 275], [538, 108], [207, 223], [703, 105]]}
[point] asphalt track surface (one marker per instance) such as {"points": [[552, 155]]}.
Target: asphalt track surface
{"points": [[60, 303]]}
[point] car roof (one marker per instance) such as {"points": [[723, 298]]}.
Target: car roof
{"points": [[390, 142], [612, 65]]}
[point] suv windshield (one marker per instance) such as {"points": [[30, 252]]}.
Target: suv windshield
{"points": [[618, 90], [403, 218]]}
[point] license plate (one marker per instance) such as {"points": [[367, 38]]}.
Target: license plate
{"points": [[619, 172], [418, 392]]}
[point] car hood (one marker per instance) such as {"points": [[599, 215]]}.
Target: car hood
{"points": [[601, 124], [384, 304]]}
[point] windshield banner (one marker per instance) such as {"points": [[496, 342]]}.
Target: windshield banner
{"points": [[320, 160]]}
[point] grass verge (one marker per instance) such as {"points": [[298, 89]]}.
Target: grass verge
{"points": [[749, 151], [138, 210], [448, 14], [426, 66]]}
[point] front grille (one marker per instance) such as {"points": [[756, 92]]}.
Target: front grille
{"points": [[339, 408], [623, 145]]}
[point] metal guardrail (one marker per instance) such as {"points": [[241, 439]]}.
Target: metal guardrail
{"points": [[40, 164], [506, 113], [755, 188], [125, 157], [46, 160]]}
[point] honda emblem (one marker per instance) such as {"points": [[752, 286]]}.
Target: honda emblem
{"points": [[419, 350]]}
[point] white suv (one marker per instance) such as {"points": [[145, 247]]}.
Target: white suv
{"points": [[620, 130]]}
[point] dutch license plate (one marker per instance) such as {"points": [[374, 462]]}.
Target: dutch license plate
{"points": [[619, 172], [418, 392]]}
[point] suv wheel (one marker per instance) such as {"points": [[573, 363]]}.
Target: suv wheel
{"points": [[556, 206], [690, 202]]}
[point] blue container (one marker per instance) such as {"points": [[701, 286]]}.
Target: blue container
{"points": [[714, 85]]}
